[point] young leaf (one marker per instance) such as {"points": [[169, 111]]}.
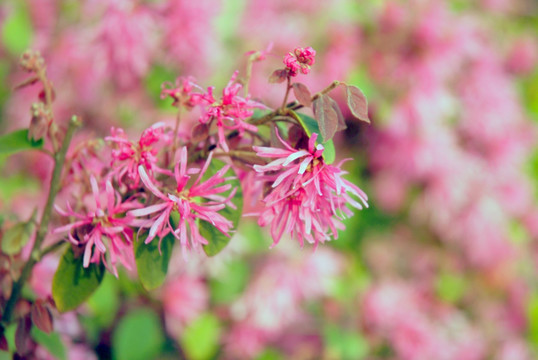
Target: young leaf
{"points": [[72, 283], [310, 126], [22, 335], [138, 336], [217, 240], [341, 121], [18, 141], [278, 76], [326, 116], [357, 103], [151, 264], [302, 94], [41, 316]]}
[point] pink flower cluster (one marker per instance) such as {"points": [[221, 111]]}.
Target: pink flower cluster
{"points": [[301, 59]]}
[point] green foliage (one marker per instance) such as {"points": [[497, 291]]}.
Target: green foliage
{"points": [[72, 283], [52, 342], [17, 141], [217, 240], [17, 31], [532, 311], [152, 263], [138, 336], [310, 125], [200, 339]]}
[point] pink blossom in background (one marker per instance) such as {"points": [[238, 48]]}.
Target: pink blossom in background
{"points": [[184, 298], [189, 34], [126, 41]]}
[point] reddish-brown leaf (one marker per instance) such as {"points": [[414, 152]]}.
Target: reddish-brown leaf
{"points": [[357, 103], [22, 335], [200, 132], [326, 117], [278, 76], [341, 121], [302, 94], [41, 317]]}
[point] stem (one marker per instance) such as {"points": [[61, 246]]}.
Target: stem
{"points": [[294, 106], [35, 255], [288, 87], [250, 62], [176, 131]]}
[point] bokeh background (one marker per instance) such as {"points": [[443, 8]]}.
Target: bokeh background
{"points": [[443, 265]]}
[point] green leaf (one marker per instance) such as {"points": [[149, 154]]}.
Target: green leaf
{"points": [[52, 342], [310, 126], [138, 336], [105, 302], [151, 264], [200, 339], [17, 31], [217, 240], [18, 141], [72, 283]]}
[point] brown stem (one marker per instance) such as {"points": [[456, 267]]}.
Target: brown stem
{"points": [[288, 87], [35, 255]]}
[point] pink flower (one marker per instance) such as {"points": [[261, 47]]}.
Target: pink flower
{"points": [[301, 59], [230, 111], [128, 156], [309, 197], [102, 229], [187, 203]]}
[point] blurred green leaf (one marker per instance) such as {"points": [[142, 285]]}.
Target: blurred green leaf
{"points": [[16, 237], [200, 339], [152, 264], [17, 31], [138, 336], [217, 240], [52, 342], [270, 354], [10, 336], [532, 312], [341, 344], [230, 282], [72, 283], [18, 141], [450, 287], [153, 82], [105, 302]]}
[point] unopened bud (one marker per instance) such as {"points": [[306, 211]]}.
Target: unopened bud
{"points": [[32, 61]]}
